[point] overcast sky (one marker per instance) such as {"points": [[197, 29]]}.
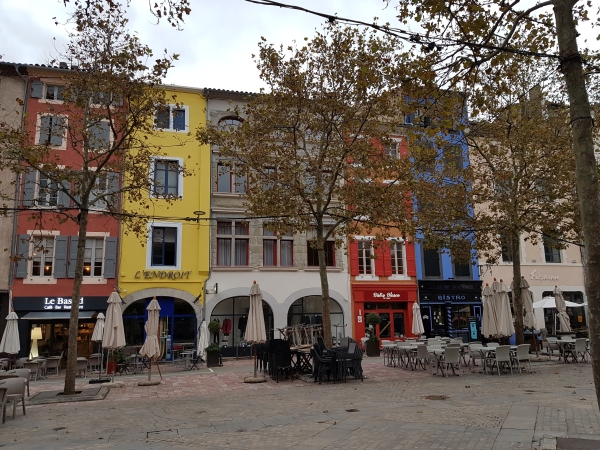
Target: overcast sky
{"points": [[215, 47]]}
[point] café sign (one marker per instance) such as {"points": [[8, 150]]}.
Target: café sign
{"points": [[386, 295], [60, 303]]}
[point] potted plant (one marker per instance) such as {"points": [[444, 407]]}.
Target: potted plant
{"points": [[214, 326], [213, 354], [371, 320], [117, 358]]}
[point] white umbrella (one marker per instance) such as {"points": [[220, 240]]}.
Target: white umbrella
{"points": [[10, 339], [489, 321], [114, 334], [151, 349], [417, 323], [502, 302], [550, 302], [255, 328], [203, 340], [97, 336], [561, 306]]}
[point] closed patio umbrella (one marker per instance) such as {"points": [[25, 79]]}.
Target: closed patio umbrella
{"points": [[10, 339], [151, 349], [561, 306], [114, 334], [527, 297], [255, 329], [489, 322], [97, 337], [505, 323], [417, 324], [203, 340]]}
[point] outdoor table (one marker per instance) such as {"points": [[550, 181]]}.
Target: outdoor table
{"points": [[302, 360], [562, 345]]}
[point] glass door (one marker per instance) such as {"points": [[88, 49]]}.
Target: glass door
{"points": [[385, 330], [399, 325]]}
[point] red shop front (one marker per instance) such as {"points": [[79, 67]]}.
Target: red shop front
{"points": [[393, 303]]}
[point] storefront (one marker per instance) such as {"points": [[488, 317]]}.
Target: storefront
{"points": [[392, 302], [48, 317], [446, 307], [177, 324]]}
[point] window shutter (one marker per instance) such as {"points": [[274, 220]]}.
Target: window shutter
{"points": [[354, 258], [29, 179], [386, 259], [63, 198], [36, 89], [378, 261], [411, 267], [45, 129], [110, 257], [72, 256], [23, 251], [57, 131], [112, 189], [60, 257]]}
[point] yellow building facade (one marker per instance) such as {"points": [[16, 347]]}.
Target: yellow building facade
{"points": [[173, 264]]}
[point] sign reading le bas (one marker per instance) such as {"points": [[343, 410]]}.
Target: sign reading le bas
{"points": [[60, 303], [163, 274]]}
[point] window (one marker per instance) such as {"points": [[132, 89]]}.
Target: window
{"points": [[104, 98], [230, 181], [42, 256], [230, 122], [54, 92], [397, 256], [551, 250], [47, 192], [232, 243], [431, 263], [365, 263], [51, 131], [312, 255], [269, 174], [506, 250], [93, 257], [99, 135], [462, 270], [274, 247], [391, 151], [164, 246], [453, 157], [166, 182], [172, 118]]}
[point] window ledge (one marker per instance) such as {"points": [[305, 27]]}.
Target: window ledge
{"points": [[366, 278], [94, 280], [227, 194], [279, 269], [398, 277], [329, 269], [232, 268], [39, 280]]}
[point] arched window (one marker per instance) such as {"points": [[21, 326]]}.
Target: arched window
{"points": [[307, 311], [231, 122]]}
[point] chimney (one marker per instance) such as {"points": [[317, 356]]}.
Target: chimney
{"points": [[63, 65]]}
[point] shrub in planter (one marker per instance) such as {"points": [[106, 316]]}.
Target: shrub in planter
{"points": [[213, 355]]}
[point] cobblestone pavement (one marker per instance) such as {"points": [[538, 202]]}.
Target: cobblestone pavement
{"points": [[392, 409]]}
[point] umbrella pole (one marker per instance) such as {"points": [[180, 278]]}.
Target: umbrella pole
{"points": [[150, 370], [255, 360], [159, 372]]}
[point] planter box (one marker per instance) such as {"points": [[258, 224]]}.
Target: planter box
{"points": [[111, 367], [213, 359], [372, 348]]}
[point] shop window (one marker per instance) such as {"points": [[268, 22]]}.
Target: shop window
{"points": [[232, 243], [42, 256], [551, 250], [93, 257], [431, 263], [308, 310], [277, 252]]}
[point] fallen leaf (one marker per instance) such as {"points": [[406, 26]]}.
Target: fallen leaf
{"points": [[326, 411]]}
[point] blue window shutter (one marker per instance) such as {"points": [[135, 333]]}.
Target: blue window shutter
{"points": [[36, 89], [60, 257], [23, 252], [112, 189], [72, 256], [63, 199], [29, 179], [58, 130], [179, 119], [110, 257], [45, 130]]}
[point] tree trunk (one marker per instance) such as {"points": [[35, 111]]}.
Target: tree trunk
{"points": [[324, 286], [585, 172], [515, 242], [75, 296]]}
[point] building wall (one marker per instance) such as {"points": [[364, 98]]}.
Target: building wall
{"points": [[139, 280]]}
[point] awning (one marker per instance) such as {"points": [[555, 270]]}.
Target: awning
{"points": [[55, 315]]}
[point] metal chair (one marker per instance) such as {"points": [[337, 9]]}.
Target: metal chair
{"points": [[475, 353], [500, 359], [578, 349], [34, 368], [421, 358], [520, 356], [53, 363], [451, 359], [82, 364]]}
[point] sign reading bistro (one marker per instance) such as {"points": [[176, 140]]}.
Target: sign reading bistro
{"points": [[163, 274]]}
